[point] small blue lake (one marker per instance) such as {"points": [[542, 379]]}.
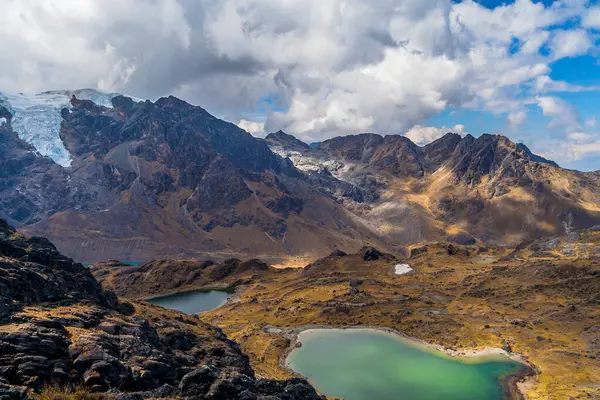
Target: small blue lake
{"points": [[194, 301]]}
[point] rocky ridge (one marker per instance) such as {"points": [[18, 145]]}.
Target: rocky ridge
{"points": [[61, 328], [487, 187]]}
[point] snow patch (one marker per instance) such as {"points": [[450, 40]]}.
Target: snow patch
{"points": [[312, 164], [37, 118], [3, 121], [402, 269]]}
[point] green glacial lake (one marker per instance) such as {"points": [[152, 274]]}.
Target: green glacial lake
{"points": [[363, 364], [129, 263], [194, 301]]}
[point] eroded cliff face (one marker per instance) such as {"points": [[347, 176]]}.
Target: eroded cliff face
{"points": [[59, 327]]}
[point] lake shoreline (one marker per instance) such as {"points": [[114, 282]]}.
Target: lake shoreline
{"points": [[202, 298], [513, 386], [216, 288]]}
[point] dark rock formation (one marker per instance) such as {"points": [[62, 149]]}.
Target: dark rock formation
{"points": [[370, 254], [461, 238], [80, 335], [337, 253], [33, 271]]}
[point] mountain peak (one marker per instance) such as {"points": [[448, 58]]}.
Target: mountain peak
{"points": [[517, 147], [290, 142], [451, 147], [535, 157]]}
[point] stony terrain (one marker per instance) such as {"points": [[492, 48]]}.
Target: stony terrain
{"points": [[60, 329], [540, 300]]}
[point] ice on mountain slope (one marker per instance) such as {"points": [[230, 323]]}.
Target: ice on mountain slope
{"points": [[37, 118], [307, 163]]}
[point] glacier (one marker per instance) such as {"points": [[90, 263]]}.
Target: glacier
{"points": [[307, 163], [37, 118]]}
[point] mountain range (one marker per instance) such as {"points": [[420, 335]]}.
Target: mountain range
{"points": [[109, 176]]}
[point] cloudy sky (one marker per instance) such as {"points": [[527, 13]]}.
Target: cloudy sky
{"points": [[322, 68]]}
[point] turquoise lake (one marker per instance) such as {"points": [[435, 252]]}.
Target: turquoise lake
{"points": [[194, 301], [130, 263], [362, 364]]}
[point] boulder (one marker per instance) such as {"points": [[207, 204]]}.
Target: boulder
{"points": [[370, 254], [198, 382], [337, 253], [462, 239]]}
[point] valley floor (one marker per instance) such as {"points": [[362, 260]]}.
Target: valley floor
{"points": [[540, 304]]}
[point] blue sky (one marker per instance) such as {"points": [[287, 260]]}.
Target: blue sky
{"points": [[582, 70], [553, 109], [534, 131], [318, 69]]}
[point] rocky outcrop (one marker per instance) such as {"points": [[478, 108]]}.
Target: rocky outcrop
{"points": [[61, 328], [461, 238], [130, 355], [33, 271], [357, 262], [370, 254]]}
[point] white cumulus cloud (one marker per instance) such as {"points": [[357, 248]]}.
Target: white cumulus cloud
{"points": [[253, 127], [591, 19], [570, 43], [517, 117], [327, 68], [422, 135]]}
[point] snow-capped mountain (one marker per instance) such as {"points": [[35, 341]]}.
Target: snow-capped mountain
{"points": [[36, 118]]}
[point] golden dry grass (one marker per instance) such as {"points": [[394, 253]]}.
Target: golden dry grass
{"points": [[434, 305], [67, 393]]}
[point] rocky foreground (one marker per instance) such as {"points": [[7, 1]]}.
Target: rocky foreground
{"points": [[60, 329]]}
